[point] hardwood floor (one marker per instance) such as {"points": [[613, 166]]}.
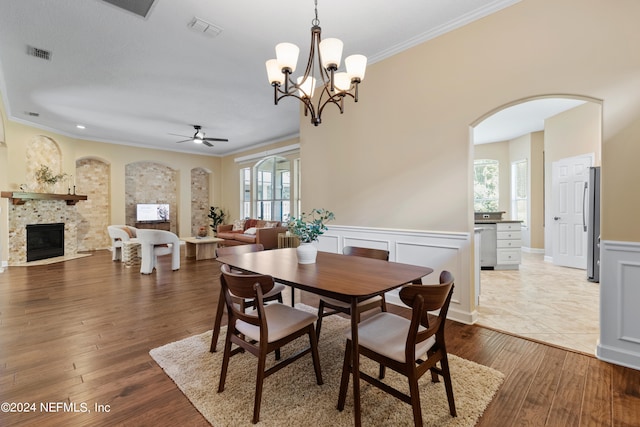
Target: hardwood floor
{"points": [[79, 332]]}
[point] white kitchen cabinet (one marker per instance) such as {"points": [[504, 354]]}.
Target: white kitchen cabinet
{"points": [[508, 243]]}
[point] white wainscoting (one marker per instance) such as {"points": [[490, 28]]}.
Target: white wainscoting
{"points": [[620, 303], [438, 250]]}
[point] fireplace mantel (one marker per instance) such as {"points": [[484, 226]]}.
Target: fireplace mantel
{"points": [[20, 197]]}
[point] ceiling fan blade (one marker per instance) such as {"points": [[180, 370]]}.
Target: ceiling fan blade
{"points": [[216, 139], [208, 144], [175, 134], [190, 139]]}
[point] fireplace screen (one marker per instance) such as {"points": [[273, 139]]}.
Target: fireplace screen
{"points": [[45, 241]]}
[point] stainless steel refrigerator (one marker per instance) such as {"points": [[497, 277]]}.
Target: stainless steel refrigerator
{"points": [[591, 223]]}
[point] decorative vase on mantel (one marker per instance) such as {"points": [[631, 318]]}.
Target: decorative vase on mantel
{"points": [[307, 253], [48, 187]]}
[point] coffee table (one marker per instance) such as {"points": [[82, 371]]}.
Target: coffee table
{"points": [[201, 247]]}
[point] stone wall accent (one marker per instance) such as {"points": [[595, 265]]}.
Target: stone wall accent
{"points": [[40, 212], [149, 182], [199, 200], [42, 150], [92, 179]]}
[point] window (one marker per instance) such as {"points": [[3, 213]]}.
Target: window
{"points": [[485, 185], [273, 189], [519, 190]]}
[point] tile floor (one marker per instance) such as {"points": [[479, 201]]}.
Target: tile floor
{"points": [[544, 302]]}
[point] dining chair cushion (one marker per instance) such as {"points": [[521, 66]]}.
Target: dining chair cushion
{"points": [[344, 304], [282, 321], [386, 333]]}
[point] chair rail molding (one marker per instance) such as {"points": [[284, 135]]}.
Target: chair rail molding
{"points": [[619, 296], [440, 250]]}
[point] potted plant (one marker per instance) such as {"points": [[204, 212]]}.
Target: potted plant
{"points": [[308, 227], [47, 179], [217, 216]]}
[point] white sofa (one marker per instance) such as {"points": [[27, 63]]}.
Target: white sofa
{"points": [[155, 243], [119, 234]]}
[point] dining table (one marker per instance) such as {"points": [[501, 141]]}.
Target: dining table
{"points": [[343, 277]]}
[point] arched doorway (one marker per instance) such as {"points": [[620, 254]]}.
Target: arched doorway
{"points": [[539, 300]]}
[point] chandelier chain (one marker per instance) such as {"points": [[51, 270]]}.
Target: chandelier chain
{"points": [[316, 21]]}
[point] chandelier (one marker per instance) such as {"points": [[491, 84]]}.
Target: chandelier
{"points": [[335, 86]]}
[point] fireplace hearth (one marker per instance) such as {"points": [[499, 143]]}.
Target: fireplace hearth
{"points": [[45, 241]]}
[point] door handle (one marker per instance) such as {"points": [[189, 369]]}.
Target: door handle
{"points": [[584, 208], [555, 218]]}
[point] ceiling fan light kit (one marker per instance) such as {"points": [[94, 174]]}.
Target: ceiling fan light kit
{"points": [[335, 85]]}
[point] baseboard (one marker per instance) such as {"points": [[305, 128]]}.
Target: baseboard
{"points": [[532, 250], [618, 357]]}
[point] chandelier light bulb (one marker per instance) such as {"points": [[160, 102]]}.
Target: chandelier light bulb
{"points": [[342, 81], [356, 66], [331, 53], [287, 55], [274, 72], [306, 87]]}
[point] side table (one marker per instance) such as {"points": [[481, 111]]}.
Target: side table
{"points": [[131, 253]]}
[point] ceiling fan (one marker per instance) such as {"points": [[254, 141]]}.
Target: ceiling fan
{"points": [[199, 138]]}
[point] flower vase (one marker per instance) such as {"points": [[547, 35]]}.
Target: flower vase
{"points": [[307, 253]]}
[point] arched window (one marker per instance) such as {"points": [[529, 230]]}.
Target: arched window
{"points": [[273, 189], [485, 185]]}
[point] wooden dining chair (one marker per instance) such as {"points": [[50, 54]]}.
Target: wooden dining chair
{"points": [[274, 295], [400, 344], [263, 330], [336, 306]]}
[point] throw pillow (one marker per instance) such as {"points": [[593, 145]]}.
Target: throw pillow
{"points": [[251, 230], [129, 232], [238, 225], [271, 224]]}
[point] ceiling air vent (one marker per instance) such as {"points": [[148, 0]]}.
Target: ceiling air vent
{"points": [[39, 53], [202, 26]]}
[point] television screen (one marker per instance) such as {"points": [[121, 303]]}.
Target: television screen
{"points": [[152, 212]]}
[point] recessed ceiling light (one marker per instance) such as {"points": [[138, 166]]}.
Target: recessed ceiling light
{"points": [[80, 126]]}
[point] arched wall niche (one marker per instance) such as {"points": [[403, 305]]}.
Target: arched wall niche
{"points": [[42, 150], [151, 182]]}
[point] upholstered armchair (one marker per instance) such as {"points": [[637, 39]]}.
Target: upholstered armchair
{"points": [[155, 243], [118, 235]]}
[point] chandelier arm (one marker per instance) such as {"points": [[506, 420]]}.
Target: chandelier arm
{"points": [[337, 100]]}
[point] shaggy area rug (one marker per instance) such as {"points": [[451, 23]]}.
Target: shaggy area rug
{"points": [[292, 397]]}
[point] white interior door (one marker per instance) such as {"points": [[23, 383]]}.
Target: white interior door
{"points": [[569, 237]]}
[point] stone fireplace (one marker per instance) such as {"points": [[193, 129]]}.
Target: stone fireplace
{"points": [[37, 212]]}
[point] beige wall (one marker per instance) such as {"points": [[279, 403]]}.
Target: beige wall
{"points": [[574, 132], [400, 156]]}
